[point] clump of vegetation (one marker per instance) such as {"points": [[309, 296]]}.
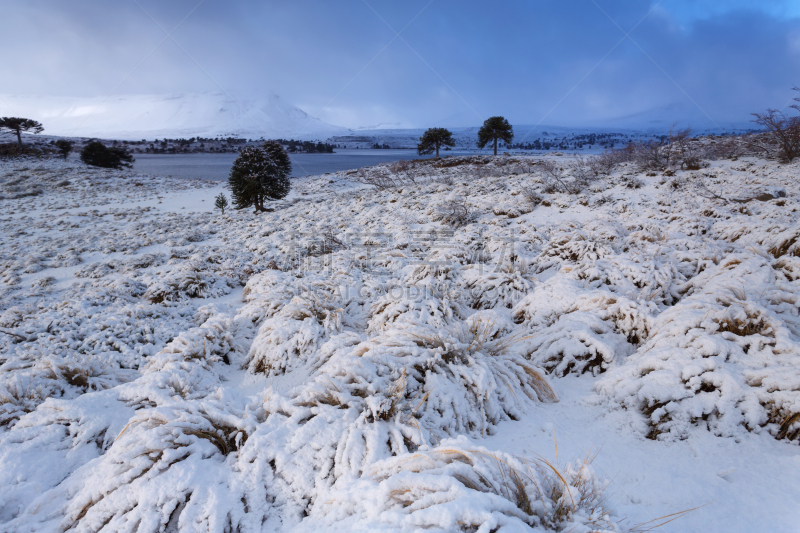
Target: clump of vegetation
{"points": [[259, 175], [97, 154], [494, 129], [64, 147], [456, 212], [433, 139], [16, 150]]}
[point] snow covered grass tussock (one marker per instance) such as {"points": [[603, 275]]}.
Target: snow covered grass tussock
{"points": [[715, 357], [459, 486], [323, 365]]}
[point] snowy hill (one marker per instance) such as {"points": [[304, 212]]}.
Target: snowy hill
{"points": [[661, 118], [137, 117]]}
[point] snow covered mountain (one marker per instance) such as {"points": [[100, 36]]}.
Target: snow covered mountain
{"points": [[683, 115], [180, 115]]}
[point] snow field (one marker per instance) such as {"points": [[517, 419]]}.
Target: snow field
{"points": [[341, 362]]}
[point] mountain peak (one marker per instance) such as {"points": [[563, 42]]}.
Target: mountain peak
{"points": [[170, 115]]}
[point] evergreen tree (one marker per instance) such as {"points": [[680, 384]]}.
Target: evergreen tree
{"points": [[220, 202], [278, 154], [495, 128], [433, 139], [17, 125], [98, 155], [64, 147], [260, 174]]}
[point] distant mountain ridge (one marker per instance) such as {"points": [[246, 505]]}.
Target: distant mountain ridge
{"points": [[186, 115], [135, 117]]}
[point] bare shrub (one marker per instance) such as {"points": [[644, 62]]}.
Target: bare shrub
{"points": [[730, 147], [400, 166], [701, 189], [684, 152], [602, 164], [456, 212], [326, 244], [782, 140], [486, 171], [632, 182], [555, 177], [583, 172], [532, 196], [379, 180], [650, 156]]}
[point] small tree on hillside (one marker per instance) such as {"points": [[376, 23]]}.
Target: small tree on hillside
{"points": [[433, 139], [221, 202], [256, 177], [17, 125], [64, 147], [98, 155], [495, 128]]}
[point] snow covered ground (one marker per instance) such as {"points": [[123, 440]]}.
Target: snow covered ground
{"points": [[441, 355]]}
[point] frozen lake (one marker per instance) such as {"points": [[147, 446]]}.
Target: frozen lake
{"points": [[217, 166]]}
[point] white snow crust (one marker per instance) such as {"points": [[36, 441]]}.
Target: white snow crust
{"points": [[359, 360]]}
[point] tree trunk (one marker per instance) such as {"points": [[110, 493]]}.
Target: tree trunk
{"points": [[19, 137], [495, 146]]}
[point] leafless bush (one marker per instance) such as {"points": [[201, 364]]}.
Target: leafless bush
{"points": [[677, 184], [583, 172], [681, 151], [701, 189], [456, 212], [601, 164], [531, 196], [632, 182], [488, 171], [400, 166], [327, 244], [403, 168], [446, 180], [517, 169], [379, 180], [555, 177], [650, 156], [730, 147], [782, 140]]}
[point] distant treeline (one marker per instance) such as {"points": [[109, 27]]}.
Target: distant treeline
{"points": [[219, 145], [309, 147]]}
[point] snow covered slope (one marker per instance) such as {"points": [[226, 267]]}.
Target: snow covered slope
{"points": [[432, 357], [135, 117]]}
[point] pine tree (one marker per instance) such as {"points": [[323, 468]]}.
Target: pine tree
{"points": [[64, 147], [495, 128], [260, 174], [98, 155], [17, 125], [433, 139], [221, 202], [278, 154]]}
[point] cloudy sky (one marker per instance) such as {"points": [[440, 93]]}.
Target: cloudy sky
{"points": [[416, 63]]}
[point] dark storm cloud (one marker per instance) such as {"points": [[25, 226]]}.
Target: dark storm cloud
{"points": [[454, 63]]}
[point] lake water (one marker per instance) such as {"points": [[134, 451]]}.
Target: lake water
{"points": [[218, 166]]}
